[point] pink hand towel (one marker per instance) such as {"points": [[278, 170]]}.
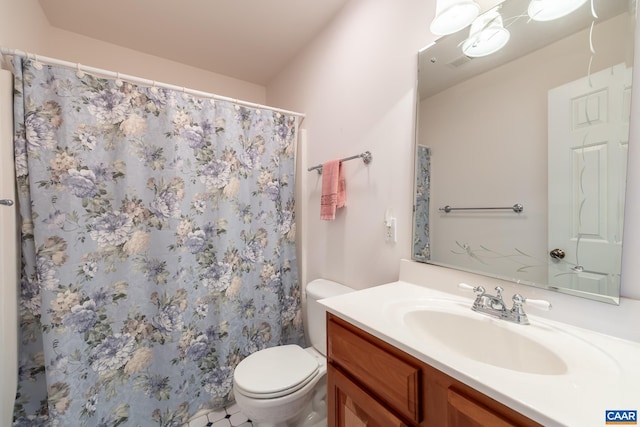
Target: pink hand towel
{"points": [[333, 190]]}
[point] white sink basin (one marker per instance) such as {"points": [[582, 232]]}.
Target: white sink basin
{"points": [[529, 349], [486, 341]]}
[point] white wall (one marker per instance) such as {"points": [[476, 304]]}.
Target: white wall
{"points": [[356, 84], [24, 26]]}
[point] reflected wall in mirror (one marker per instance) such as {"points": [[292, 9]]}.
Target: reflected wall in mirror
{"points": [[543, 122]]}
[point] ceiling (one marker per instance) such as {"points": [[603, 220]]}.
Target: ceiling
{"points": [[251, 40]]}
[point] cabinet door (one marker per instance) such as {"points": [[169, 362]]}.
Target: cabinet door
{"points": [[350, 406], [384, 373], [464, 412]]}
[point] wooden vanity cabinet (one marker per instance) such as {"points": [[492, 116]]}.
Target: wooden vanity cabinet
{"points": [[372, 383]]}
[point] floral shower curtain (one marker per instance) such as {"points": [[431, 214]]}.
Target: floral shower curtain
{"points": [[158, 247], [421, 236]]}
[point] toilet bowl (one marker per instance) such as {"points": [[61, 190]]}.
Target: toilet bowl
{"points": [[285, 386]]}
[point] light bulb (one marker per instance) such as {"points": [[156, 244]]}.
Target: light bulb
{"points": [[453, 15], [486, 36], [548, 10]]}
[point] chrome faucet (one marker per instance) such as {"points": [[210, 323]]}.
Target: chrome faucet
{"points": [[493, 305]]}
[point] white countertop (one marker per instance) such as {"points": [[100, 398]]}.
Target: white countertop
{"points": [[607, 377]]}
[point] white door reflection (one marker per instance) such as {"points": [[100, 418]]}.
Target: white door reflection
{"points": [[587, 150]]}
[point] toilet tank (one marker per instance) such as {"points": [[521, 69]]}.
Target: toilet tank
{"points": [[316, 313]]}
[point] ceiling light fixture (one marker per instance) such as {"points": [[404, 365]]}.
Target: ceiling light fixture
{"points": [[486, 36], [453, 15], [548, 10]]}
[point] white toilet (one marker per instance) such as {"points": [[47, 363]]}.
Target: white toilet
{"points": [[285, 386]]}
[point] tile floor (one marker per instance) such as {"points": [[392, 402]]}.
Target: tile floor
{"points": [[227, 417]]}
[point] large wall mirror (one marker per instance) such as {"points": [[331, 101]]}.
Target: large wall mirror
{"points": [[521, 154]]}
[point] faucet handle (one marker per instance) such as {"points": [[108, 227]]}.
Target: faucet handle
{"points": [[540, 304], [479, 290]]}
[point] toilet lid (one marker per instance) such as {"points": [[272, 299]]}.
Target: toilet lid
{"points": [[275, 371]]}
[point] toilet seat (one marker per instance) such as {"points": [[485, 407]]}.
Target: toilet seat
{"points": [[275, 372]]}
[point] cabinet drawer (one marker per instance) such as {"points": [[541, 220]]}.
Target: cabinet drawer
{"points": [[384, 374], [466, 412]]}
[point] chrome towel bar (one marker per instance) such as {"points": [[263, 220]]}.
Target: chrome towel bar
{"points": [[366, 158], [518, 207]]}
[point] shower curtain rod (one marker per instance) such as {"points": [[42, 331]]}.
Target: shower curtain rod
{"points": [[138, 80]]}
